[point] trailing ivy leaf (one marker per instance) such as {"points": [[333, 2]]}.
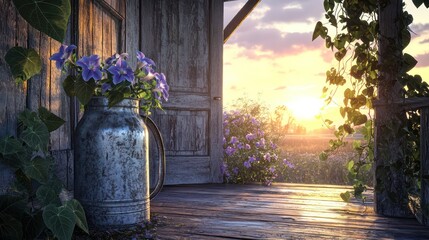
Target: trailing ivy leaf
{"points": [[360, 119], [79, 213], [36, 136], [84, 90], [47, 195], [323, 156], [33, 225], [28, 118], [345, 196], [51, 120], [37, 169], [418, 3], [10, 227], [350, 165], [60, 220], [10, 145], [22, 184], [47, 16], [406, 38], [319, 30], [24, 63], [69, 85], [409, 62], [12, 205]]}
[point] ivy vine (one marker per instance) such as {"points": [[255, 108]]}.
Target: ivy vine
{"points": [[352, 33]]}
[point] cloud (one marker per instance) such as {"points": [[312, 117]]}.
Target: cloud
{"points": [[423, 60], [280, 88], [424, 41], [419, 28], [262, 35]]}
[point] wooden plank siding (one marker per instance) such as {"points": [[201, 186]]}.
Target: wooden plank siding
{"points": [[43, 90], [186, 39], [281, 211], [98, 33]]}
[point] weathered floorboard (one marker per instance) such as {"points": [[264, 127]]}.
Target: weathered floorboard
{"points": [[281, 211]]}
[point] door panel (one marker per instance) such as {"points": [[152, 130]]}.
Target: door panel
{"points": [[179, 36]]}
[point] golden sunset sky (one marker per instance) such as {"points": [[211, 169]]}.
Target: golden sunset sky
{"points": [[271, 57]]}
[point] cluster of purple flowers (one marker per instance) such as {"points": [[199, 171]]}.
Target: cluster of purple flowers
{"points": [[114, 76], [250, 155]]}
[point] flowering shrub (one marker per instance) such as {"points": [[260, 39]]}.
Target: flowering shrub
{"points": [[250, 155], [112, 78]]}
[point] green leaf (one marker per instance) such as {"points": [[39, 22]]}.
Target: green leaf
{"points": [[319, 30], [345, 196], [36, 136], [406, 37], [323, 156], [69, 85], [10, 145], [360, 119], [47, 16], [84, 90], [33, 225], [10, 227], [60, 220], [418, 3], [350, 165], [79, 214], [24, 63], [12, 205], [37, 169], [47, 195], [51, 120], [409, 62], [28, 118]]}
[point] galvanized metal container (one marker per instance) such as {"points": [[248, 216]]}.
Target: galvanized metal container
{"points": [[111, 164]]}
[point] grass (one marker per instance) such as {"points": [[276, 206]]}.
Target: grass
{"points": [[303, 151]]}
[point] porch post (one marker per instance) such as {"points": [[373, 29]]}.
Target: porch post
{"points": [[390, 197]]}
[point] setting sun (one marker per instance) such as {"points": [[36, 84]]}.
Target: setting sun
{"points": [[305, 108]]}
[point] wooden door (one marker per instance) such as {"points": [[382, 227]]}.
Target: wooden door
{"points": [[185, 38]]}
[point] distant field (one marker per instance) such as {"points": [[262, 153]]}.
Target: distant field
{"points": [[303, 151]]}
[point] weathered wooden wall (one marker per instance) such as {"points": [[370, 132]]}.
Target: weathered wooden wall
{"points": [[42, 90], [186, 40], [184, 37], [100, 28]]}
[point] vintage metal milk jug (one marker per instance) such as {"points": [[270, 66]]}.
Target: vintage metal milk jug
{"points": [[111, 164]]}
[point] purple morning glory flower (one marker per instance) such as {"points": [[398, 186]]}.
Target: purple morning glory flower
{"points": [[252, 159], [235, 170], [62, 55], [272, 169], [250, 136], [161, 85], [223, 168], [227, 131], [273, 145], [260, 143], [254, 121], [90, 67], [121, 72], [247, 164], [234, 140], [105, 87], [267, 157], [230, 150], [240, 145], [289, 164], [146, 61], [247, 146]]}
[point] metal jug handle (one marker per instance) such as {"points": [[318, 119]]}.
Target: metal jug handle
{"points": [[161, 153]]}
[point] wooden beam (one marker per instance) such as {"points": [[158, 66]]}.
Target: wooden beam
{"points": [[405, 104], [424, 163], [239, 18]]}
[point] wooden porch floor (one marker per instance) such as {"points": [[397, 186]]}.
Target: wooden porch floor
{"points": [[282, 211]]}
